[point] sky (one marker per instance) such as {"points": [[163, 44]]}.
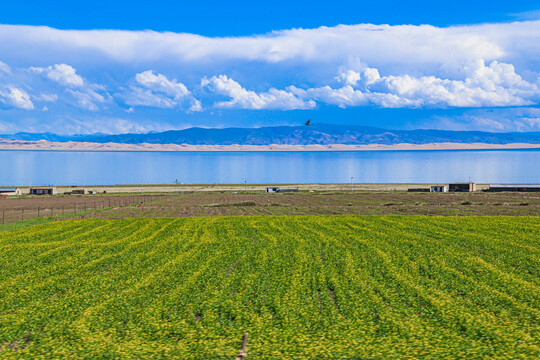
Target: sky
{"points": [[131, 66]]}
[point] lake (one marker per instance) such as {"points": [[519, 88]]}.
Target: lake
{"points": [[109, 168]]}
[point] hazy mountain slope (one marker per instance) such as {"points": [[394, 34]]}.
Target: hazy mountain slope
{"points": [[324, 134]]}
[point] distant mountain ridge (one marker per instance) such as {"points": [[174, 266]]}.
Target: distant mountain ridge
{"points": [[319, 134], [47, 136]]}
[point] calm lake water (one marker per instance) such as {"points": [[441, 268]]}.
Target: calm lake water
{"points": [[107, 168]]}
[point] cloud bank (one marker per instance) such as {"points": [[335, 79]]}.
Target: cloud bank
{"points": [[273, 99], [117, 74], [374, 44], [485, 86]]}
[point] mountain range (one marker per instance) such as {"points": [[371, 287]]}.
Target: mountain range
{"points": [[318, 134]]}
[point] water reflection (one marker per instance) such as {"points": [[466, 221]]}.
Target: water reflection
{"points": [[71, 168]]}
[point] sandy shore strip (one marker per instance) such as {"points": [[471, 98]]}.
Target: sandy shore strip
{"points": [[88, 146]]}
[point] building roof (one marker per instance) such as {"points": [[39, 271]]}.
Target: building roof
{"points": [[8, 189], [515, 185]]}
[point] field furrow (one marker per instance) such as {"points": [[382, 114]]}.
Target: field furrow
{"points": [[302, 287]]}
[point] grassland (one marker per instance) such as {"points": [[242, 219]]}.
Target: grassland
{"points": [[333, 203], [240, 204], [379, 287], [23, 209]]}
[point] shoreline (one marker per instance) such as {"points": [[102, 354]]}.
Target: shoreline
{"points": [[44, 145], [238, 188]]}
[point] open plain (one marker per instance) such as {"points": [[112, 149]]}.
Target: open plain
{"points": [[321, 274], [340, 287], [332, 203], [238, 203]]}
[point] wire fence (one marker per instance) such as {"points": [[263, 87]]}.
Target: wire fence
{"points": [[8, 216]]}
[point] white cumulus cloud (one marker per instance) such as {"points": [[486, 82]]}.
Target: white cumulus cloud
{"points": [[241, 98], [83, 94], [17, 98], [63, 74], [484, 86], [87, 99], [46, 97], [156, 90], [349, 77], [4, 68]]}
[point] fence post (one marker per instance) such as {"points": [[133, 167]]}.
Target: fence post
{"points": [[38, 211], [242, 353], [63, 210]]}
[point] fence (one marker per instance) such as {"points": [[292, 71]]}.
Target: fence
{"points": [[59, 210]]}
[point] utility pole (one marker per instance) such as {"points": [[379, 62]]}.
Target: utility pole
{"points": [[352, 177], [141, 185], [245, 181]]}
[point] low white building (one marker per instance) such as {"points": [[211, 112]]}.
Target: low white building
{"points": [[10, 192], [272, 189], [439, 188]]}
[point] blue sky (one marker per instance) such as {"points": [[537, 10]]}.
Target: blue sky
{"points": [[240, 18], [133, 66]]}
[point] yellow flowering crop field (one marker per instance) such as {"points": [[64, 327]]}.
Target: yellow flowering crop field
{"points": [[339, 287]]}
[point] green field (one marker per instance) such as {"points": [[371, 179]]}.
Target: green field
{"points": [[380, 287]]}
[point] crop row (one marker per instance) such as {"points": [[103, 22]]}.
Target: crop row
{"points": [[327, 286]]}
